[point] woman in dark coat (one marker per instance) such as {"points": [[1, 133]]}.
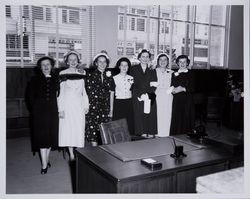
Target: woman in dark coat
{"points": [[98, 88], [183, 120], [43, 102], [145, 83]]}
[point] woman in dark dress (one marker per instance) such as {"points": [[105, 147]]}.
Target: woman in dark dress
{"points": [[43, 101], [143, 89], [183, 108], [98, 87], [121, 92]]}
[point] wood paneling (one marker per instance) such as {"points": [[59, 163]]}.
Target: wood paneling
{"points": [[158, 184], [186, 180], [99, 183]]}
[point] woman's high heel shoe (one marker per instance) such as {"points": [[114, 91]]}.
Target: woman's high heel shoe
{"points": [[44, 171], [48, 165]]}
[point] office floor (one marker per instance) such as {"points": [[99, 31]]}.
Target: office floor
{"points": [[23, 169]]}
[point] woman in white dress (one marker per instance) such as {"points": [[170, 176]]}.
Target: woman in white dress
{"points": [[73, 104], [164, 97]]}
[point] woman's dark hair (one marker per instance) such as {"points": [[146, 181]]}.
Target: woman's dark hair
{"points": [[52, 61], [123, 59], [71, 53], [161, 55], [143, 51], [95, 61], [182, 57]]}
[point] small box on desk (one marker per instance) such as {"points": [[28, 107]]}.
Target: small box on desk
{"points": [[151, 164]]}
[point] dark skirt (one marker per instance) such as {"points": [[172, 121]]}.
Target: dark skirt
{"points": [[144, 123], [45, 128], [183, 119], [123, 108]]}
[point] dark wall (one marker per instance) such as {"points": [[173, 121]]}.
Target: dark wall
{"points": [[207, 83]]}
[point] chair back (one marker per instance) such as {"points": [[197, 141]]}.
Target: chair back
{"points": [[215, 106], [115, 131]]}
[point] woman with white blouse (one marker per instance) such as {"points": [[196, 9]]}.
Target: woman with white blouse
{"points": [[164, 97], [122, 107]]}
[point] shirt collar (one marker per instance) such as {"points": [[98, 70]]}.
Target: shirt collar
{"points": [[183, 70]]}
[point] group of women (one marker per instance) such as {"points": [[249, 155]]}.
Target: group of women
{"points": [[68, 108]]}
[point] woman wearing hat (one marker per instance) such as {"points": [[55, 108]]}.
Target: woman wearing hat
{"points": [[164, 96], [42, 96], [183, 108], [98, 85], [143, 95], [73, 104], [121, 89]]}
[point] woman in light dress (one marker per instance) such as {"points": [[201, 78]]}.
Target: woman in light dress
{"points": [[164, 97], [73, 104]]}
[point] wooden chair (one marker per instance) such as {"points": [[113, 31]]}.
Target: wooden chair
{"points": [[114, 132]]}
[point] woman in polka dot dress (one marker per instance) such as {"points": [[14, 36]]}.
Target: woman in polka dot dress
{"points": [[98, 85]]}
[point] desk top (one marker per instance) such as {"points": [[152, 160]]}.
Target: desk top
{"points": [[122, 171], [148, 148]]}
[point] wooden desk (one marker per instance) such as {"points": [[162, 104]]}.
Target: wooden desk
{"points": [[98, 171]]}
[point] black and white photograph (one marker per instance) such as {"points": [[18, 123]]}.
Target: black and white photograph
{"points": [[145, 99]]}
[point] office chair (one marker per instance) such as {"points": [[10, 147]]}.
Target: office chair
{"points": [[114, 132]]}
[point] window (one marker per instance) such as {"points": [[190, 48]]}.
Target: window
{"points": [[74, 16], [140, 24], [139, 46], [64, 16], [121, 23], [7, 11], [141, 12], [37, 12], [198, 31], [40, 38], [26, 11], [13, 41], [132, 23], [48, 14], [164, 27]]}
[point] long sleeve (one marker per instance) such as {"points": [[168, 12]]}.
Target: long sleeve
{"points": [[31, 94], [60, 98], [85, 98], [190, 87], [151, 89]]}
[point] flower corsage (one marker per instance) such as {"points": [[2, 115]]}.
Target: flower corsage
{"points": [[176, 74], [131, 80], [108, 74]]}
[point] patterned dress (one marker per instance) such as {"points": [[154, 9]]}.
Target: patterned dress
{"points": [[98, 90]]}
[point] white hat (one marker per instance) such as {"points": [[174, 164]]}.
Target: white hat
{"points": [[66, 55], [161, 55], [101, 54]]}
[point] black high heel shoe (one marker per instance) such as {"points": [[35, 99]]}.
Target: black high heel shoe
{"points": [[48, 165], [44, 171]]}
